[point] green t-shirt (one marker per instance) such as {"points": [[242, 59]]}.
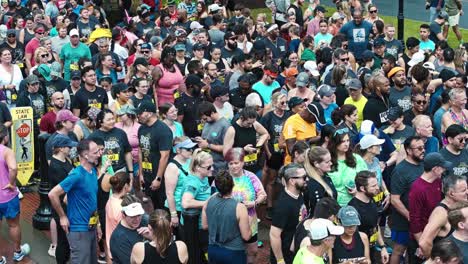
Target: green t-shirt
{"points": [[200, 190], [451, 7], [70, 57], [304, 256], [180, 187]]}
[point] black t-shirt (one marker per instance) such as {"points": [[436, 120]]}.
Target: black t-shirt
{"points": [[274, 125], [115, 146], [369, 217], [17, 53], [58, 171], [136, 101], [152, 140], [403, 176], [188, 107], [287, 213], [84, 99], [435, 29], [237, 98], [376, 110], [5, 114], [85, 29], [122, 241], [459, 162], [50, 143]]}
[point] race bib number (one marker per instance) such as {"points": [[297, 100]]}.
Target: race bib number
{"points": [[250, 157], [93, 220], [373, 238], [74, 67], [200, 127], [176, 94], [383, 117], [379, 197], [96, 105], [38, 121], [20, 64], [14, 97], [113, 157], [276, 147], [147, 165]]}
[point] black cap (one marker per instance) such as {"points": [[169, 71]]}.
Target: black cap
{"points": [[367, 55], [379, 42], [435, 159], [446, 75], [217, 91], [193, 79], [198, 46], [119, 87], [140, 60], [321, 9], [412, 42], [146, 106], [75, 75], [394, 113], [316, 110], [294, 101], [454, 130]]}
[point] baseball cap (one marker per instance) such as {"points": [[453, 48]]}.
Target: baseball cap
{"points": [[272, 27], [325, 90], [179, 32], [119, 87], [75, 75], [322, 228], [394, 113], [367, 127], [302, 79], [217, 91], [317, 111], [412, 42], [394, 70], [65, 115], [337, 16], [446, 75], [61, 141], [213, 8], [367, 55], [171, 2], [311, 66], [145, 46], [198, 46], [417, 58], [443, 14], [133, 209], [368, 141], [353, 84], [146, 106], [454, 130], [56, 69], [74, 32], [44, 70], [11, 31], [293, 101], [32, 79], [195, 25], [127, 109], [193, 79], [140, 61], [321, 9], [186, 144], [348, 216], [435, 159], [180, 47], [379, 42]]}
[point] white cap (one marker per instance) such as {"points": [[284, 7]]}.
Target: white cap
{"points": [[195, 25], [74, 32], [133, 209], [311, 66], [337, 16], [367, 127], [272, 27], [213, 8], [322, 228], [368, 141], [417, 58], [253, 99]]}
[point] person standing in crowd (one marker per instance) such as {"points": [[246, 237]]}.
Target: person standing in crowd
{"points": [[155, 139], [454, 189], [167, 78], [90, 95], [356, 98], [378, 103], [357, 31], [322, 234], [366, 188], [9, 201], [227, 221], [457, 217], [455, 150], [288, 211], [404, 174], [64, 125], [422, 124], [456, 114], [187, 106], [267, 84], [47, 124], [168, 114], [71, 54], [397, 130], [424, 195], [400, 92], [80, 223], [161, 248], [70, 91], [352, 245]]}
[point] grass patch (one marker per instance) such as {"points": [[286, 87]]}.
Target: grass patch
{"points": [[411, 26]]}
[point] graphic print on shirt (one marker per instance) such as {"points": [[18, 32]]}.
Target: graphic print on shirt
{"points": [[359, 35], [111, 149], [145, 153], [94, 103], [461, 169]]}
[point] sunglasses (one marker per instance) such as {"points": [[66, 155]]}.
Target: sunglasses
{"points": [[40, 33], [462, 140], [344, 59], [145, 51], [11, 35], [207, 168], [300, 177], [421, 148], [373, 11], [421, 102], [341, 131], [44, 55], [282, 103]]}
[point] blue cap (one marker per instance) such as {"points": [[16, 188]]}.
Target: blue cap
{"points": [[63, 141], [348, 216]]}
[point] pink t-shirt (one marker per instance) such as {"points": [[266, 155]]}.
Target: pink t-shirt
{"points": [[113, 216], [132, 135], [167, 84]]}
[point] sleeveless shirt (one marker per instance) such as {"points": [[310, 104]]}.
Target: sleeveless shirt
{"points": [[348, 252], [152, 256]]}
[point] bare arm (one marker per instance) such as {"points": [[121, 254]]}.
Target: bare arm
{"points": [[399, 206], [436, 221], [138, 253], [162, 163], [264, 136], [171, 176], [204, 218], [243, 218], [229, 139], [76, 112], [365, 241], [275, 241], [156, 74], [182, 251], [10, 160], [188, 201], [290, 144], [129, 162]]}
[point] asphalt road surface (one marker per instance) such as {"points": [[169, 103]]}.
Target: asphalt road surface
{"points": [[413, 9]]}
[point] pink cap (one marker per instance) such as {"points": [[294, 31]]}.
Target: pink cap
{"points": [[66, 115]]}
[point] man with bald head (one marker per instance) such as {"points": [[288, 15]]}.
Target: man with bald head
{"points": [[47, 123]]}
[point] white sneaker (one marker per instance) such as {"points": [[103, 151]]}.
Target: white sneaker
{"points": [[25, 250], [387, 232], [51, 250], [3, 260], [20, 195]]}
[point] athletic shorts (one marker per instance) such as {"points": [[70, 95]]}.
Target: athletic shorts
{"points": [[454, 20], [400, 237], [10, 209]]}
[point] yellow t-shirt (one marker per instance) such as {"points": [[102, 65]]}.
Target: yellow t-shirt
{"points": [[297, 128], [360, 108], [304, 256]]}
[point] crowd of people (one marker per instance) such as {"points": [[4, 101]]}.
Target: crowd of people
{"points": [[161, 112]]}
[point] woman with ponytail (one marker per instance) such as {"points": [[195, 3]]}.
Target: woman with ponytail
{"points": [[317, 164], [161, 249]]}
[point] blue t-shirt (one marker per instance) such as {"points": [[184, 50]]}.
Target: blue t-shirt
{"points": [[265, 91], [358, 36], [427, 45], [432, 145], [81, 188]]}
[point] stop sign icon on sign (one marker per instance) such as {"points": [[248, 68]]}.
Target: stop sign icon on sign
{"points": [[23, 131]]}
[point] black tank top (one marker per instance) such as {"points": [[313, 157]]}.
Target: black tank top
{"points": [[243, 137], [152, 256], [438, 238], [102, 196], [343, 252]]}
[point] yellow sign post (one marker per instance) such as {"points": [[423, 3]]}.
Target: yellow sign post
{"points": [[22, 138]]}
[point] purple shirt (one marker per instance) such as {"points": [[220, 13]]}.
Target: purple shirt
{"points": [[6, 195]]}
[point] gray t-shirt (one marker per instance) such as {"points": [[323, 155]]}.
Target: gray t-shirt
{"points": [[463, 246], [400, 98], [459, 162], [214, 133], [233, 81], [399, 136], [216, 36]]}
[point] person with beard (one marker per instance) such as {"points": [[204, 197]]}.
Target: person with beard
{"points": [[267, 84], [388, 63], [400, 93], [404, 174], [366, 188], [145, 25], [457, 113], [241, 64], [455, 150], [276, 44], [182, 20], [187, 105], [238, 95], [377, 106], [357, 31], [424, 195], [212, 75], [89, 95], [220, 96], [288, 211], [47, 124], [32, 97], [230, 49], [80, 222]]}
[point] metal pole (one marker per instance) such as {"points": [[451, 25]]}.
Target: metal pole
{"points": [[41, 219], [401, 19], [191, 235]]}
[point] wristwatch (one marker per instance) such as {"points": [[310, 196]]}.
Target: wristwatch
{"points": [[158, 178]]}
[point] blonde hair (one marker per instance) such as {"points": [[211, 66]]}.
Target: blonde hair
{"points": [[199, 156], [316, 154], [458, 58], [419, 120], [37, 57], [276, 97]]}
